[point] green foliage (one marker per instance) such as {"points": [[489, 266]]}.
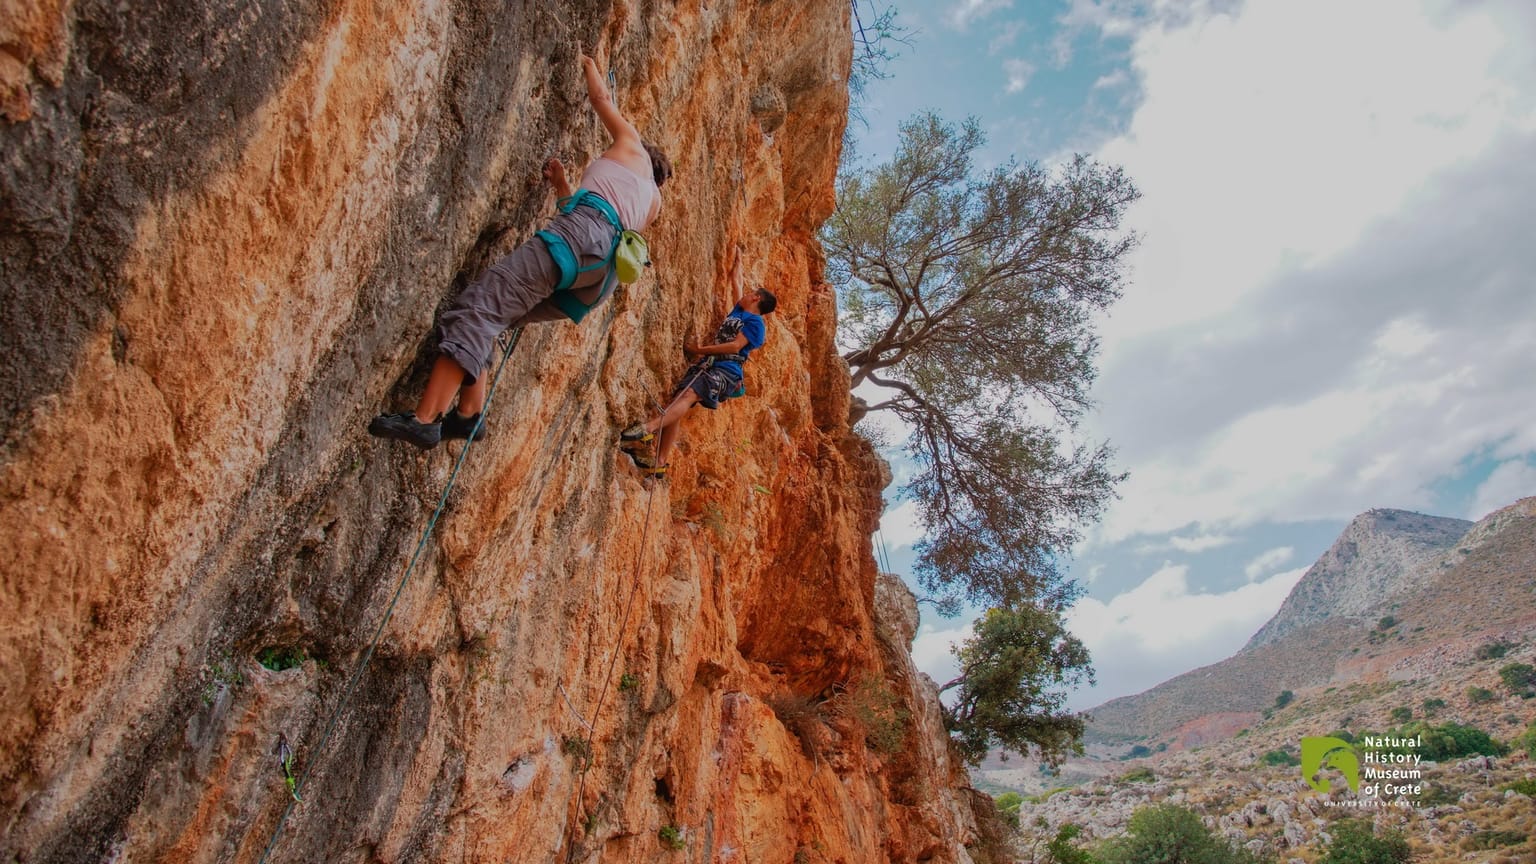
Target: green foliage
{"points": [[1526, 786], [1285, 698], [628, 681], [1280, 757], [1446, 741], [1343, 735], [970, 295], [1525, 742], [1480, 695], [1168, 834], [280, 657], [1015, 671], [1401, 714], [1387, 622], [672, 837], [1140, 751], [1492, 650], [879, 711], [1431, 706], [1356, 842], [1438, 795], [1496, 839], [1519, 678], [218, 676], [577, 748], [1059, 849], [1138, 775], [714, 520], [1008, 805]]}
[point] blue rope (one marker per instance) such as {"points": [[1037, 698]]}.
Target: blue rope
{"points": [[389, 612]]}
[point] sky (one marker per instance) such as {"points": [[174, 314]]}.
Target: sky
{"points": [[1333, 304]]}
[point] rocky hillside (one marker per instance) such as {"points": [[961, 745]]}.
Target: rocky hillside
{"points": [[1382, 554], [1382, 561], [1439, 660], [225, 229]]}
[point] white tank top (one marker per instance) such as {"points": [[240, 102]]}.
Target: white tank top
{"points": [[628, 192]]}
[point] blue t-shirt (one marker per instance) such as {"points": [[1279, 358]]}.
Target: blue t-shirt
{"points": [[740, 323]]}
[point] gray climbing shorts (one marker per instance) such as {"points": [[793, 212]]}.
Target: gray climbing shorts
{"points": [[515, 290]]}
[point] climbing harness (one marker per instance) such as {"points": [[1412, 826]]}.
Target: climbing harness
{"points": [[296, 786], [627, 258]]}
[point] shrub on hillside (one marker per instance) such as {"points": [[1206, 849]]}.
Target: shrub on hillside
{"points": [[1492, 650], [1433, 705], [1524, 787], [1059, 850], [1279, 757], [1519, 678], [1285, 698], [1447, 741], [1401, 714], [1526, 741], [1008, 805], [1480, 695], [1168, 834], [1355, 841]]}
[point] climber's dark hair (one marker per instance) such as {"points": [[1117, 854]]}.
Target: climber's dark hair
{"points": [[661, 166], [766, 302]]}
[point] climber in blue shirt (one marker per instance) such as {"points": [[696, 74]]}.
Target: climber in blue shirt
{"points": [[714, 377]]}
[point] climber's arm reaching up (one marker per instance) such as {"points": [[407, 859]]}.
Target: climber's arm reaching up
{"points": [[627, 148]]}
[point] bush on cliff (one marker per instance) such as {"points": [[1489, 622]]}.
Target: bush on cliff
{"points": [[1015, 671]]}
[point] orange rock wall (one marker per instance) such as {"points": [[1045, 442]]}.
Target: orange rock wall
{"points": [[226, 230]]}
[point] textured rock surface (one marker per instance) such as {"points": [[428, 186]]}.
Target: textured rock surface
{"points": [[224, 231]]}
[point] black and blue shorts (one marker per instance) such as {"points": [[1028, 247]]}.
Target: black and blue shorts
{"points": [[712, 384]]}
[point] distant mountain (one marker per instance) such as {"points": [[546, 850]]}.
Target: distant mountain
{"points": [[1381, 554], [1395, 595]]}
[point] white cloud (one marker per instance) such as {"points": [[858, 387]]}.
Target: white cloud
{"points": [[1267, 561], [1508, 483], [1019, 72], [1330, 307], [1160, 628], [1143, 636], [964, 12], [899, 525], [1199, 543], [931, 649], [1112, 80], [1005, 37], [1189, 545]]}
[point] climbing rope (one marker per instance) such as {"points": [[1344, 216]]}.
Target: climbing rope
{"points": [[645, 531], [295, 787], [613, 659]]}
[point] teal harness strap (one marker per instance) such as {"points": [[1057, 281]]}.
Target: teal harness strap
{"points": [[565, 258]]}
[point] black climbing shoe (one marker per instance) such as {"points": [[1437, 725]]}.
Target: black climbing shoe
{"points": [[405, 427], [636, 433], [646, 464], [456, 427]]}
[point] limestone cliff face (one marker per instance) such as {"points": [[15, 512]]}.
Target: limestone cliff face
{"points": [[225, 229]]}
